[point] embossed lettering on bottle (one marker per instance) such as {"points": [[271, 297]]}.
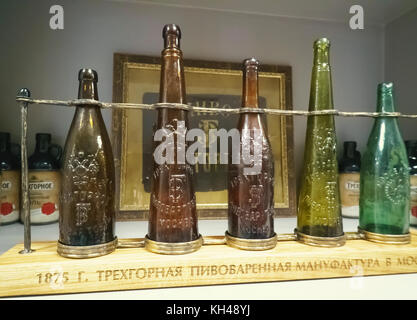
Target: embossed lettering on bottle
{"points": [[172, 213], [385, 177], [251, 193], [319, 213], [87, 199]]}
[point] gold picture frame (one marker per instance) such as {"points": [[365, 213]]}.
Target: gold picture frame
{"points": [[208, 83]]}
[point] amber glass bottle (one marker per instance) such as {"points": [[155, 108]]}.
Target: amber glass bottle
{"points": [[9, 181], [44, 180], [87, 215], [172, 213], [319, 215], [251, 184]]}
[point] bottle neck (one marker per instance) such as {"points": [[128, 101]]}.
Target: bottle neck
{"points": [[87, 90], [321, 56], [250, 88], [172, 85], [171, 41], [385, 101], [321, 92]]}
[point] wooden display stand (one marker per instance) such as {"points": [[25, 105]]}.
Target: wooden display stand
{"points": [[45, 272]]}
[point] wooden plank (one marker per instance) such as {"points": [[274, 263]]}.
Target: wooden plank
{"points": [[45, 272]]}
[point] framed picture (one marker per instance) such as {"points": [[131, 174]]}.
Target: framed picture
{"points": [[208, 84]]}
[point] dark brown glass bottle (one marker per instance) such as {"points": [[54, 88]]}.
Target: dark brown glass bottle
{"points": [[9, 181], [172, 214], [44, 181], [251, 183], [87, 214]]}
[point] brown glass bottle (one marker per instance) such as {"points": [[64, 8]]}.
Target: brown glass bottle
{"points": [[87, 213], [172, 213], [251, 183], [44, 181], [9, 181]]}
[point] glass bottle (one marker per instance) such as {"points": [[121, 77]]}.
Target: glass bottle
{"points": [[172, 214], [411, 146], [319, 216], [251, 183], [9, 182], [44, 181], [87, 219], [349, 180], [385, 178]]}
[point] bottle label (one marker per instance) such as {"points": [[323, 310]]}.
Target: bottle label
{"points": [[9, 196], [44, 190], [413, 198], [349, 194]]}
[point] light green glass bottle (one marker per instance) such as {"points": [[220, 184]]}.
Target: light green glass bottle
{"points": [[319, 213], [385, 178]]}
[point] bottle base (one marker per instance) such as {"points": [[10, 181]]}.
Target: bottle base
{"points": [[251, 244], [83, 252], [386, 238], [8, 222], [173, 247], [326, 242]]}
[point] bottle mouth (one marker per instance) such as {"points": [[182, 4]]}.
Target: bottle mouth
{"points": [[321, 52], [385, 87], [250, 63], [87, 74], [322, 43], [172, 35], [171, 29]]}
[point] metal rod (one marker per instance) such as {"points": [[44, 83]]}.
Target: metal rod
{"points": [[25, 93], [270, 110]]}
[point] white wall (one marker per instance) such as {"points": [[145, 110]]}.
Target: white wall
{"points": [[401, 68], [47, 61]]}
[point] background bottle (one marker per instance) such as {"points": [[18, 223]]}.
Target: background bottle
{"points": [[385, 179], [9, 181], [411, 146], [172, 214], [87, 200], [319, 213], [44, 181], [251, 196], [349, 180]]}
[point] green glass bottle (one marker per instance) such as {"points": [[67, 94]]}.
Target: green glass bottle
{"points": [[319, 213], [385, 178]]}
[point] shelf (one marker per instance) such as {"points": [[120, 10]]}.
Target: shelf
{"points": [[45, 272]]}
